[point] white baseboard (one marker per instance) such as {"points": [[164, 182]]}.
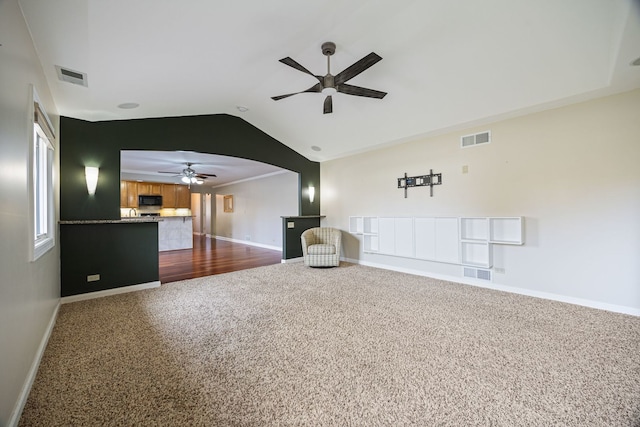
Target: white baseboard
{"points": [[292, 260], [33, 371], [521, 291], [247, 242], [108, 292]]}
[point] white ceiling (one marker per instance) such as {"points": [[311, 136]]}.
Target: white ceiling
{"points": [[147, 165], [446, 64]]}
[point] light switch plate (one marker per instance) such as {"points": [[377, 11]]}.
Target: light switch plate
{"points": [[291, 224], [93, 278]]}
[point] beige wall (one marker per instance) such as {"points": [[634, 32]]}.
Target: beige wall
{"points": [[258, 206], [29, 291], [573, 172]]}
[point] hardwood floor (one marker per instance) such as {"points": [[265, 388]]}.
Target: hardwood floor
{"points": [[210, 256]]}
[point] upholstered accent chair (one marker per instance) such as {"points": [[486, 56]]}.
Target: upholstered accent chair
{"points": [[321, 247]]}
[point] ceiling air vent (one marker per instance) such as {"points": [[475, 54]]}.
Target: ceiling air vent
{"points": [[475, 139], [71, 76], [477, 273]]}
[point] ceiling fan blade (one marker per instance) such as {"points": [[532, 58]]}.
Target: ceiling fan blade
{"points": [[315, 88], [204, 175], [360, 91], [175, 173], [357, 68], [291, 63], [328, 105]]}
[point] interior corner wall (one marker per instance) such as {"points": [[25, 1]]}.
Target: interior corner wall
{"points": [[29, 291], [259, 205], [572, 172]]}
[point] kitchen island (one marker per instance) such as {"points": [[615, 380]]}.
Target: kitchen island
{"points": [[175, 232]]}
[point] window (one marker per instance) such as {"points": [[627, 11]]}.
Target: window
{"points": [[41, 189]]}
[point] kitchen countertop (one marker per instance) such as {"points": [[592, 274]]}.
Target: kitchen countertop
{"points": [[126, 220]]}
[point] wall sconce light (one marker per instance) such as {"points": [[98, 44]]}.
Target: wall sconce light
{"points": [[91, 175], [312, 193]]}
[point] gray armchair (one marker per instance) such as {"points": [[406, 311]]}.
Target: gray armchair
{"points": [[321, 247]]}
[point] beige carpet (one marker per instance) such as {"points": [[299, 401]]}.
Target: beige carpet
{"points": [[287, 345]]}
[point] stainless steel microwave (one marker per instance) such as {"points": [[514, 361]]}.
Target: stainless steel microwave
{"points": [[149, 200]]}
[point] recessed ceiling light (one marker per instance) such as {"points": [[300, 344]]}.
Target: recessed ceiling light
{"points": [[242, 108], [316, 148], [128, 105], [636, 62]]}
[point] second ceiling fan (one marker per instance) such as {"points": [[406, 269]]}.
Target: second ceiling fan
{"points": [[330, 84], [190, 176]]}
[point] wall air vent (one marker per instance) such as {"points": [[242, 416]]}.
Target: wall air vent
{"points": [[71, 76], [477, 273], [475, 139]]}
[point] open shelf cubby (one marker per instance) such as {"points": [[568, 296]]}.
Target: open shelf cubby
{"points": [[356, 224], [474, 229], [476, 254], [506, 231]]}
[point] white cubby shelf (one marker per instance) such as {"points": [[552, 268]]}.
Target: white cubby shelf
{"points": [[454, 240]]}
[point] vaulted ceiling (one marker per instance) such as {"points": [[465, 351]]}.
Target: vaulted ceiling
{"points": [[446, 64]]}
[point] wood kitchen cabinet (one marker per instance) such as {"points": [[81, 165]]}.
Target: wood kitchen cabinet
{"points": [[173, 195], [183, 197], [123, 194], [168, 195], [151, 188], [128, 194]]}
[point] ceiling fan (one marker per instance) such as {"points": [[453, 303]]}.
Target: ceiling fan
{"points": [[330, 84], [190, 176]]}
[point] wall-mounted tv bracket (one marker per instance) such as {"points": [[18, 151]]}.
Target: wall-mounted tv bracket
{"points": [[420, 181]]}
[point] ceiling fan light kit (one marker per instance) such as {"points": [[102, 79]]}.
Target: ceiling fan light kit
{"points": [[329, 84], [190, 176]]}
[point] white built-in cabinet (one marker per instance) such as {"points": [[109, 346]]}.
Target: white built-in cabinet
{"points": [[454, 240]]}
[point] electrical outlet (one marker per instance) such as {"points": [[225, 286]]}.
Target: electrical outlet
{"points": [[291, 224], [499, 270], [465, 169], [93, 278]]}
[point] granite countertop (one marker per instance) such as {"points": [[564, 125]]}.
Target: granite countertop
{"points": [[304, 216], [125, 220]]}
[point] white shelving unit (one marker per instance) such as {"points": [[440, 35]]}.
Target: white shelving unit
{"points": [[456, 240], [367, 226], [505, 230], [356, 225], [474, 242]]}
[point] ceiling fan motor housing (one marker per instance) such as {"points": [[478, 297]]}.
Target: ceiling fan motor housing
{"points": [[328, 81], [328, 48]]}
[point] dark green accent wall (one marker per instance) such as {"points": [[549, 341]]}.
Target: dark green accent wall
{"points": [[291, 244], [86, 143], [127, 254], [122, 254]]}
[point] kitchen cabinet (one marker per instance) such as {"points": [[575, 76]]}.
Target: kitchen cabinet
{"points": [[123, 194], [183, 197], [168, 195], [173, 195], [128, 194], [151, 188]]}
